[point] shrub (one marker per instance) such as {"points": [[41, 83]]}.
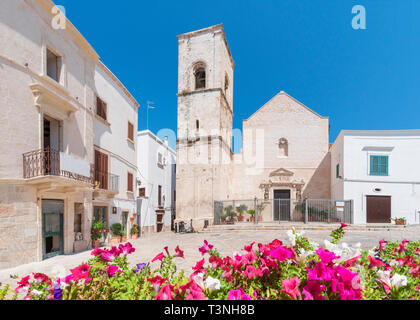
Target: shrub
{"points": [[116, 229], [298, 269]]}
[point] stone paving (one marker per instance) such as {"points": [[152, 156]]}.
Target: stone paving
{"points": [[227, 242]]}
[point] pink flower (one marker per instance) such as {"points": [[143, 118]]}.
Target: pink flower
{"points": [[205, 248], [97, 252], [251, 272], [156, 282], [126, 249], [281, 253], [165, 293], [238, 295], [375, 262], [81, 272], [248, 248], [111, 270], [351, 262], [343, 225], [179, 253], [198, 268], [291, 287], [158, 257], [326, 256], [381, 244]]}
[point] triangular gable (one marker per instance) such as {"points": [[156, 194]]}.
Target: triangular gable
{"points": [[281, 172], [290, 97]]}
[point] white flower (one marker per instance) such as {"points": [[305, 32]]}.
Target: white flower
{"points": [[303, 255], [199, 279], [394, 263], [292, 234], [398, 281], [36, 292], [212, 284]]}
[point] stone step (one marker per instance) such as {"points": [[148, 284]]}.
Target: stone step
{"points": [[298, 226]]}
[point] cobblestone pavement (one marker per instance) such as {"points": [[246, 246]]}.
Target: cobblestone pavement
{"points": [[227, 242]]}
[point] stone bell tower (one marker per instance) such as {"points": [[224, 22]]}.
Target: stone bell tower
{"points": [[205, 111]]}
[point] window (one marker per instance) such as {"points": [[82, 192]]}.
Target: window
{"points": [[160, 160], [283, 147], [130, 182], [226, 83], [197, 124], [142, 192], [101, 170], [54, 65], [101, 108], [159, 196], [124, 219], [130, 131], [337, 171], [378, 165], [78, 213], [200, 76]]}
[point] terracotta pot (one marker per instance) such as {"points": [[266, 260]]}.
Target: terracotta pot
{"points": [[260, 219], [240, 218], [134, 236], [400, 222], [96, 243], [123, 239], [116, 240], [252, 219]]}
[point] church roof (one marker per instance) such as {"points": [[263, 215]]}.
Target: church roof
{"points": [[290, 97]]}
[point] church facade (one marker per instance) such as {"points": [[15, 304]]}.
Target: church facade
{"points": [[285, 144]]}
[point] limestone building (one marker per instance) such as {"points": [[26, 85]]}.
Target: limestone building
{"points": [[67, 125], [285, 150]]}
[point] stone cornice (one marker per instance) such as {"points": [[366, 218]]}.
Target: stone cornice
{"points": [[188, 93], [47, 6]]}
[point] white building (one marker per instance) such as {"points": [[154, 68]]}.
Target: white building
{"points": [[380, 172], [156, 174], [114, 199]]}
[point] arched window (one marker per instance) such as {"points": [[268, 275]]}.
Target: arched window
{"points": [[283, 147], [200, 76]]}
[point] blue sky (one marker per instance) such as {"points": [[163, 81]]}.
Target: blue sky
{"points": [[361, 79]]}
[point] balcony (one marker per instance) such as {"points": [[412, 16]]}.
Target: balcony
{"points": [[53, 163], [107, 181]]}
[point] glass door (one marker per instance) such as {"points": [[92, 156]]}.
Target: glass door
{"points": [[100, 214], [52, 228]]}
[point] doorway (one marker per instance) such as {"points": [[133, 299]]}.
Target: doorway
{"points": [[378, 209], [281, 205], [52, 228]]}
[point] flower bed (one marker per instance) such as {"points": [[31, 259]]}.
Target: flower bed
{"points": [[299, 269]]}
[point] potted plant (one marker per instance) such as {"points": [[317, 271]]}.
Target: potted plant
{"points": [[116, 230], [399, 221], [260, 208], [134, 232], [124, 235], [230, 215], [252, 214], [97, 231], [241, 209]]}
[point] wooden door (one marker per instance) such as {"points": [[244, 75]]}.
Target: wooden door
{"points": [[378, 209]]}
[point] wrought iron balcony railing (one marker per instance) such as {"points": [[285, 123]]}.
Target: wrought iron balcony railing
{"points": [[107, 181], [50, 162]]}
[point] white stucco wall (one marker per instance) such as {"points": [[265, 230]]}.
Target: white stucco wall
{"points": [[151, 176], [402, 183], [111, 138]]}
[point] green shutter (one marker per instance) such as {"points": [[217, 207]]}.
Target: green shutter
{"points": [[379, 165]]}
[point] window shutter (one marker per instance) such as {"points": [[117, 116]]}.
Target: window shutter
{"points": [[130, 182], [130, 131]]}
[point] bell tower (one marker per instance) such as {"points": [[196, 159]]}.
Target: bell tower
{"points": [[205, 112]]}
